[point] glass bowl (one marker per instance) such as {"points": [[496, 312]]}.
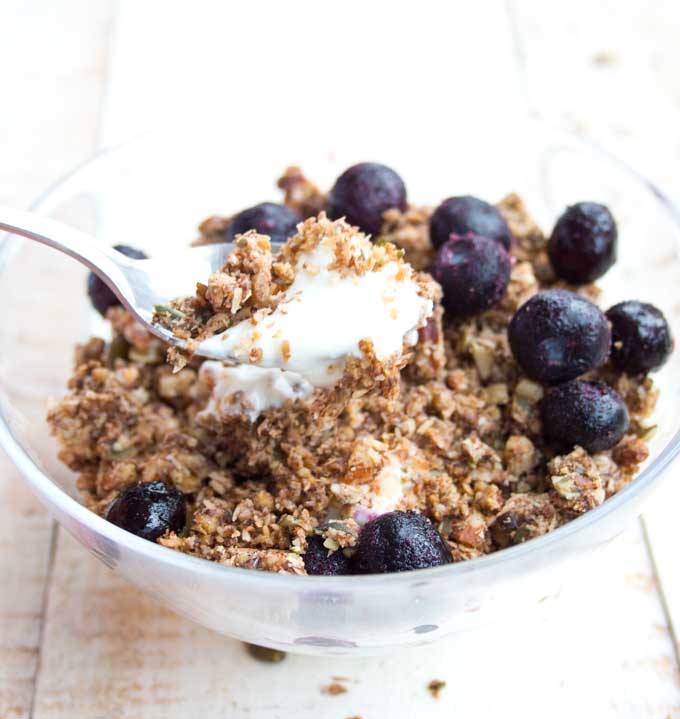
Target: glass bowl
{"points": [[152, 193]]}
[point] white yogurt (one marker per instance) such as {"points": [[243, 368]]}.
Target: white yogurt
{"points": [[323, 316], [389, 486], [249, 390], [403, 467]]}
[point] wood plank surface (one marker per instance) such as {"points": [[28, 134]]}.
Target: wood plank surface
{"points": [[607, 70], [52, 63], [602, 646]]}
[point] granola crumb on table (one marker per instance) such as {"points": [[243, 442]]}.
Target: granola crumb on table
{"points": [[334, 689], [435, 687], [455, 415]]}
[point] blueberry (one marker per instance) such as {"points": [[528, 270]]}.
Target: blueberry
{"points": [[461, 215], [589, 414], [583, 243], [319, 561], [149, 509], [278, 222], [558, 335], [98, 291], [399, 542], [474, 273], [363, 192], [641, 337]]}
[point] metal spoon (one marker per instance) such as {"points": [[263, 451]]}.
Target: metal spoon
{"points": [[138, 284]]}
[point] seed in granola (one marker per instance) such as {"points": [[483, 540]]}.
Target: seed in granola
{"points": [[591, 415], [149, 509], [641, 337], [265, 654], [460, 215], [118, 349], [277, 222], [398, 542], [363, 193], [558, 335], [473, 271], [320, 560], [101, 296], [583, 243]]}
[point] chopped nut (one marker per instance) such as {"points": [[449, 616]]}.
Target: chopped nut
{"points": [[530, 391], [520, 455], [483, 354], [497, 393]]}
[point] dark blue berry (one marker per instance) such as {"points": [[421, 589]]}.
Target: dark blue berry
{"points": [[149, 509], [278, 222], [589, 414], [98, 291], [318, 560], [399, 542], [474, 273], [583, 243], [558, 335], [363, 192], [460, 215], [641, 337]]}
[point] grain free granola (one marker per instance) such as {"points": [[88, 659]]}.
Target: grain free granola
{"points": [[443, 443]]}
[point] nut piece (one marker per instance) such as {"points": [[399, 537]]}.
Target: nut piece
{"points": [[577, 483], [520, 455]]}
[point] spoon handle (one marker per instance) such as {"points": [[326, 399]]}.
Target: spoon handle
{"points": [[100, 259]]}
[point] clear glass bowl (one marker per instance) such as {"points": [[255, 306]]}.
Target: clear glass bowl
{"points": [[153, 192]]}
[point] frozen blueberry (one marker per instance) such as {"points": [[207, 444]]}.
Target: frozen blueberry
{"points": [[278, 222], [590, 414], [558, 335], [363, 192], [583, 243], [473, 271], [641, 337], [399, 542], [461, 215], [319, 561], [98, 291], [149, 509]]}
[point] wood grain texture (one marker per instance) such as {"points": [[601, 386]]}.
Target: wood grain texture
{"points": [[602, 646], [607, 70], [52, 62]]}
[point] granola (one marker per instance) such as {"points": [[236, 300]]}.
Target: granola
{"points": [[450, 428]]}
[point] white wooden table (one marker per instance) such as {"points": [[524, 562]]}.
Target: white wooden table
{"points": [[77, 642]]}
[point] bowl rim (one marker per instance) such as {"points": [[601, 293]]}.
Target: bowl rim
{"points": [[51, 494]]}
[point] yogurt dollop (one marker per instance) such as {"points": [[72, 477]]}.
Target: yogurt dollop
{"points": [[323, 316], [248, 390]]}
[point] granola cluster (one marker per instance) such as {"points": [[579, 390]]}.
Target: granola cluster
{"points": [[457, 424], [255, 276]]}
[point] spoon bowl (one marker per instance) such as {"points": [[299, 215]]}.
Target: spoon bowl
{"points": [[139, 284]]}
